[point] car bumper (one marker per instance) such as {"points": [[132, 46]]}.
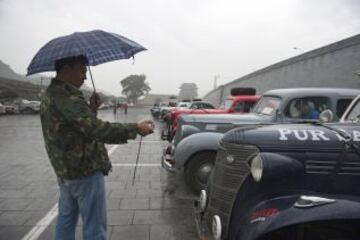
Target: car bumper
{"points": [[203, 232], [166, 162]]}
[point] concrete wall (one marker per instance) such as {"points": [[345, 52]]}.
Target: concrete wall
{"points": [[334, 65]]}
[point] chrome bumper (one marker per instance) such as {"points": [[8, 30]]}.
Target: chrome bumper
{"points": [[201, 228], [165, 163]]}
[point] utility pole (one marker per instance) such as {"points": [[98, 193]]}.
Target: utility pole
{"points": [[216, 77]]}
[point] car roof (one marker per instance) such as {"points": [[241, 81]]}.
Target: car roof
{"points": [[293, 92]]}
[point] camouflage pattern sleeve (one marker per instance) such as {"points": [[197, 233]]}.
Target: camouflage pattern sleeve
{"points": [[78, 114]]}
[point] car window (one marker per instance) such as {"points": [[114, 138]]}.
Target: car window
{"points": [[354, 114], [306, 108], [227, 104], [194, 106], [341, 106], [267, 105], [244, 106], [207, 106]]}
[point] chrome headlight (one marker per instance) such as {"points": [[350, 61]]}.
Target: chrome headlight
{"points": [[257, 168]]}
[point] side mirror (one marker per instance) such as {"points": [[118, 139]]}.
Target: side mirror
{"points": [[326, 116]]}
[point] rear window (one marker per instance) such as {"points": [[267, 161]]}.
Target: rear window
{"points": [[307, 107], [244, 106]]}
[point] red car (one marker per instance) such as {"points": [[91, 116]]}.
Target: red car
{"points": [[241, 101]]}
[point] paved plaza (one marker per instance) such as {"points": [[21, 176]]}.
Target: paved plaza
{"points": [[158, 205]]}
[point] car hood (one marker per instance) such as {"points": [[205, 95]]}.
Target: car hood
{"points": [[250, 118], [293, 137]]}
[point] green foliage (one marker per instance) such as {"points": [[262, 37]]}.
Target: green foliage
{"points": [[134, 86]]}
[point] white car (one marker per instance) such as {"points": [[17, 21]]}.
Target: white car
{"points": [[27, 107], [2, 109]]}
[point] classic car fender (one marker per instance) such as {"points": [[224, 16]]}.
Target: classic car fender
{"points": [[195, 143], [281, 212]]}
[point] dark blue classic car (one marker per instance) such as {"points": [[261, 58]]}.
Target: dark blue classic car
{"points": [[284, 182]]}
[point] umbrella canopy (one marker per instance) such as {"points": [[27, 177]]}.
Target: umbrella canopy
{"points": [[98, 46]]}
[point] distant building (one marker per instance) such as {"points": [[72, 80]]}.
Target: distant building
{"points": [[151, 99], [188, 91]]}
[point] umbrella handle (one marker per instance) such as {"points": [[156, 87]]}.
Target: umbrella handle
{"points": [[92, 80]]}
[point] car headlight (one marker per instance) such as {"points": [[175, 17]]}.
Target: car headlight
{"points": [[257, 168]]}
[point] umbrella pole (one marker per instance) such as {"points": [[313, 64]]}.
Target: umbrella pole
{"points": [[92, 80]]}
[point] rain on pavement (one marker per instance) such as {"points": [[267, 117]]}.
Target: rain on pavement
{"points": [[158, 205]]}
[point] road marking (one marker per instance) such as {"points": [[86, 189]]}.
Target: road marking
{"points": [[133, 164], [41, 225], [112, 149]]}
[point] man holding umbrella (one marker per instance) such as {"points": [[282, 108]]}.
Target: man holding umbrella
{"points": [[74, 137]]}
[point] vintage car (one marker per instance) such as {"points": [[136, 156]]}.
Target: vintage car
{"points": [[286, 181], [242, 100], [197, 138]]}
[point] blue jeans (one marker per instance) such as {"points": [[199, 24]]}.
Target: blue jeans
{"points": [[85, 195]]}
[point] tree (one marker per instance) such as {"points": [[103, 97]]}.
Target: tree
{"points": [[134, 86]]}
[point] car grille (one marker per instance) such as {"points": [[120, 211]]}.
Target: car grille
{"points": [[348, 167], [226, 181]]}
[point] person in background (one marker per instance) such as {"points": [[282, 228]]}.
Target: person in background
{"points": [[74, 139], [125, 106], [306, 110]]}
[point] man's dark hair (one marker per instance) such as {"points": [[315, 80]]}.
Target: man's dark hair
{"points": [[71, 61]]}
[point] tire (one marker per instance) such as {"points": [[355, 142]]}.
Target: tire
{"points": [[28, 111], [198, 170]]}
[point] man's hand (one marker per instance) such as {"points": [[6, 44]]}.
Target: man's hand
{"points": [[145, 127], [95, 101]]}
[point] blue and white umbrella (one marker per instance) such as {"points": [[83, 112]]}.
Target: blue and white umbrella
{"points": [[98, 46]]}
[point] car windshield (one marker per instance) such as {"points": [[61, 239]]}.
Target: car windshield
{"points": [[267, 105], [354, 115], [228, 103]]}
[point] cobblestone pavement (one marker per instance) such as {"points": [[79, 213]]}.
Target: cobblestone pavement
{"points": [[158, 205]]}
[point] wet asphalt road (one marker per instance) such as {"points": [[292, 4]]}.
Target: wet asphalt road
{"points": [[157, 206]]}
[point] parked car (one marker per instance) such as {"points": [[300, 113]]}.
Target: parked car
{"points": [[11, 109], [2, 109], [282, 182], [242, 100], [28, 107], [197, 137]]}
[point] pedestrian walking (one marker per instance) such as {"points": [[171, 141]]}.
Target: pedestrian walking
{"points": [[125, 106], [74, 139]]}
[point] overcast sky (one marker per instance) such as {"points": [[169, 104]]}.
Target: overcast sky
{"points": [[187, 40]]}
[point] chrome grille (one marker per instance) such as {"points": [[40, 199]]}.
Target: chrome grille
{"points": [[227, 179]]}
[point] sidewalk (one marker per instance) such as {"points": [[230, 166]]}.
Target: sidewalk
{"points": [[158, 205]]}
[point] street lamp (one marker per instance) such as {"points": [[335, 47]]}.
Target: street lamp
{"points": [[216, 77]]}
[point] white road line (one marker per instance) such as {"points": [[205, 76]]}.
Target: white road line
{"points": [[41, 225], [133, 164]]}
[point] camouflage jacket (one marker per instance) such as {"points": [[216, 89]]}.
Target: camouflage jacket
{"points": [[74, 137]]}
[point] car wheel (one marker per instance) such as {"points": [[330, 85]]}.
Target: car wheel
{"points": [[198, 170], [27, 111]]}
